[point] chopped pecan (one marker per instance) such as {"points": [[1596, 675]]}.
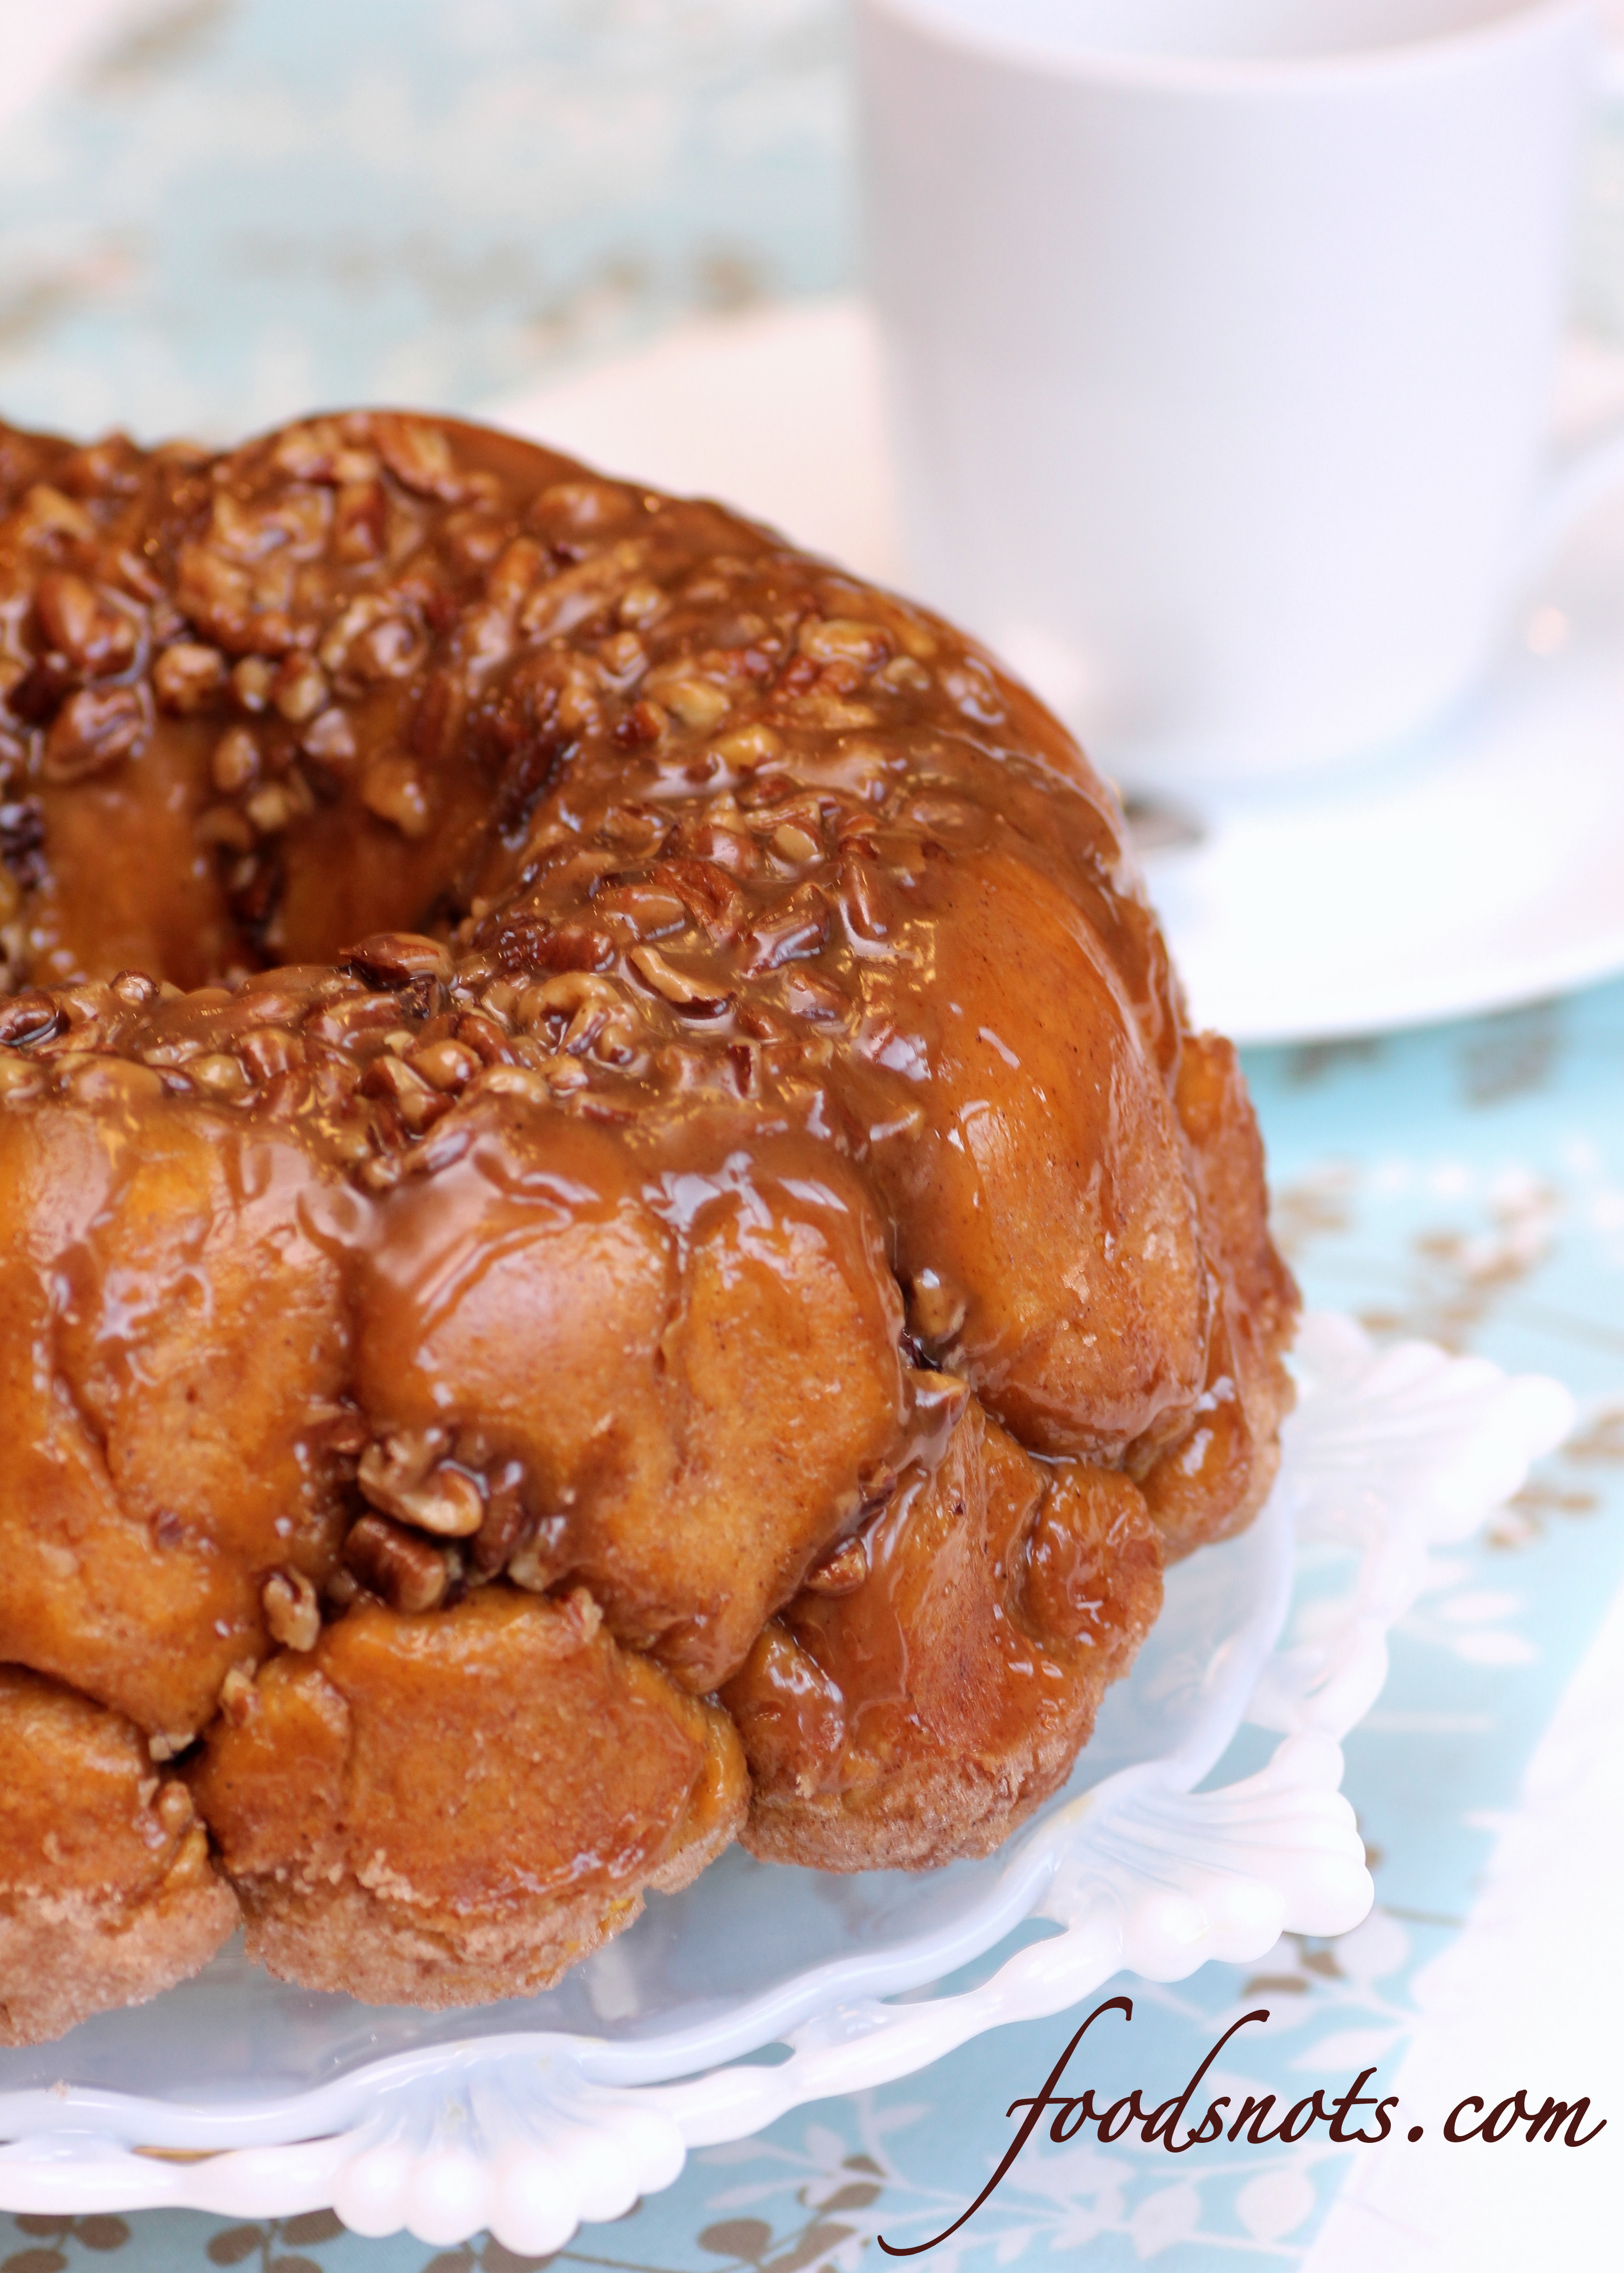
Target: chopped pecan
{"points": [[447, 1501], [271, 1050], [797, 844], [299, 689], [515, 1081], [292, 1609], [505, 1522], [688, 991], [445, 1065], [844, 640], [708, 894], [714, 841], [746, 749], [646, 911], [531, 943], [217, 1072], [484, 1036], [840, 1570], [360, 521], [98, 634], [403, 1569], [695, 703], [96, 729], [394, 959], [276, 804], [419, 455], [30, 1017], [800, 928], [810, 995], [644, 722], [418, 1105], [331, 739], [338, 1023], [251, 683], [236, 762], [393, 788], [46, 512], [860, 888]]}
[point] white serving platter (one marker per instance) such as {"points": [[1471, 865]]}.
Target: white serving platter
{"points": [[238, 2095]]}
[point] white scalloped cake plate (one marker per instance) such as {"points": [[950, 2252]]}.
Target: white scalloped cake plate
{"points": [[528, 2116], [1477, 867]]}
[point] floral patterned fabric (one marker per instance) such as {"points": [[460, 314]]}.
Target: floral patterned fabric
{"points": [[242, 206]]}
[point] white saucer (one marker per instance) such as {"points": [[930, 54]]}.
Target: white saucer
{"points": [[1481, 868]]}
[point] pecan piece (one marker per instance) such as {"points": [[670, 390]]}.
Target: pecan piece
{"points": [[839, 1570], [236, 762], [251, 683], [532, 943], [447, 1502], [706, 892], [392, 788], [394, 959], [795, 843], [238, 1697], [339, 1023], [862, 902], [643, 723], [30, 1017], [418, 454], [360, 521], [445, 1065], [300, 689], [686, 991], [188, 677], [799, 928], [271, 809], [482, 1034], [96, 634], [292, 1611], [645, 910], [96, 729], [844, 639], [405, 1571], [271, 1050], [815, 998], [418, 1105], [504, 1524]]}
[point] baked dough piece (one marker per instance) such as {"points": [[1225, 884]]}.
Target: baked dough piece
{"points": [[107, 1892], [566, 1063], [925, 1693], [165, 1448], [442, 1810]]}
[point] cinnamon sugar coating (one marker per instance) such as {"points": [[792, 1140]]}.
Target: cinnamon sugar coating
{"points": [[591, 1117], [107, 1891]]}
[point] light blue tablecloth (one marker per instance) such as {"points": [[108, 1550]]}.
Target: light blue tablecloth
{"points": [[244, 208]]}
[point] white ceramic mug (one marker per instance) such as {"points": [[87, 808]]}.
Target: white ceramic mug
{"points": [[1219, 338]]}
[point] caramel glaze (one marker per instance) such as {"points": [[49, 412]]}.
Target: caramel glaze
{"points": [[762, 1225]]}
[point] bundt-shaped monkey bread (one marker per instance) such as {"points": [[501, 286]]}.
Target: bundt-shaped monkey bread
{"points": [[613, 1237]]}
